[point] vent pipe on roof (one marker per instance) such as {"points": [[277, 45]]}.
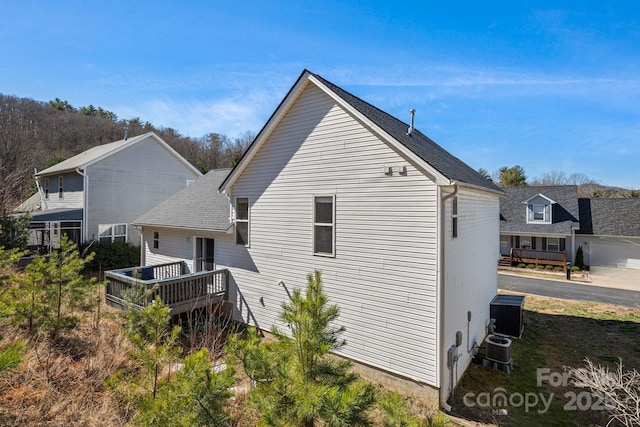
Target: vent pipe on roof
{"points": [[126, 132], [410, 130]]}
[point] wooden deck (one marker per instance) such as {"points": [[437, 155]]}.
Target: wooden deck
{"points": [[532, 256], [180, 291]]}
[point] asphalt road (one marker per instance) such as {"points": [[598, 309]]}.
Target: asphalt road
{"points": [[571, 291]]}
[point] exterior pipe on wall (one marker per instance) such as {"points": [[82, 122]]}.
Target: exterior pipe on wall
{"points": [[443, 395], [85, 197]]}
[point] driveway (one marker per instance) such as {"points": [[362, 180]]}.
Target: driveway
{"points": [[620, 278]]}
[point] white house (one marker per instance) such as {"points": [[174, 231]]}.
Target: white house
{"points": [[405, 234], [99, 192]]}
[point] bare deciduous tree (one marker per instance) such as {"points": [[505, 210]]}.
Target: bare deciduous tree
{"points": [[618, 389]]}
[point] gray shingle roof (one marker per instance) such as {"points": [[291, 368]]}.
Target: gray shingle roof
{"points": [[199, 206], [79, 160], [565, 214], [418, 143], [610, 217]]}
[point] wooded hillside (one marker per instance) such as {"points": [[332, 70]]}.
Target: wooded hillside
{"points": [[36, 135]]}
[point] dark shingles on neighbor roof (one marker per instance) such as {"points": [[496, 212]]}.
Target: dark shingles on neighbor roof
{"points": [[610, 217], [420, 144], [566, 214], [199, 206]]}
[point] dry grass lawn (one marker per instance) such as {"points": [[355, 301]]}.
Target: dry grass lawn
{"points": [[558, 334]]}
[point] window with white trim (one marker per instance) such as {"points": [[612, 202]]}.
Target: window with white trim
{"points": [[539, 212], [46, 188], [61, 187], [156, 240], [324, 225], [454, 217], [242, 221], [112, 232]]}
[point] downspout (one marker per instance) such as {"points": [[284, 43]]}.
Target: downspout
{"points": [[441, 277], [43, 200], [573, 245], [85, 198]]}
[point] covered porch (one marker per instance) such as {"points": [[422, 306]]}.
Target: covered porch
{"points": [[537, 250], [179, 289], [537, 257]]}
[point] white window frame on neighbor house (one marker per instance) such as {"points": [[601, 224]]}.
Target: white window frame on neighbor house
{"points": [[46, 188], [323, 225], [550, 245], [156, 239], [243, 221], [538, 212], [454, 217], [61, 187], [112, 232]]}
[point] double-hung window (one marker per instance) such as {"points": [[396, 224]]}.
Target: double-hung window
{"points": [[539, 212], [156, 240], [242, 221], [46, 188], [61, 187], [324, 225]]}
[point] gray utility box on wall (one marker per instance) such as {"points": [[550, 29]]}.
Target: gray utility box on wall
{"points": [[508, 310]]}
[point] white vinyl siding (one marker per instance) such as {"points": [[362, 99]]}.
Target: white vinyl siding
{"points": [[384, 275], [175, 246], [470, 274], [130, 182], [64, 191]]}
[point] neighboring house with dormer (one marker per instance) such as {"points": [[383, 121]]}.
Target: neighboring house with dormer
{"points": [[610, 232], [546, 225], [405, 234], [96, 194], [538, 224]]}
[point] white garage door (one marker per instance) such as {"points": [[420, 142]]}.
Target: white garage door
{"points": [[615, 254]]}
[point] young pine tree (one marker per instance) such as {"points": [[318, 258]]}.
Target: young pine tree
{"points": [[297, 382]]}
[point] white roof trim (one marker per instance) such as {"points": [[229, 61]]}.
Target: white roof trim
{"points": [[539, 195], [117, 149]]}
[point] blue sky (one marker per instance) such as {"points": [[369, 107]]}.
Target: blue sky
{"points": [[549, 85]]}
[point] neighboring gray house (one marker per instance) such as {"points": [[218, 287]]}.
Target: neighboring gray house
{"points": [[405, 234], [610, 232], [547, 225], [96, 194], [539, 223]]}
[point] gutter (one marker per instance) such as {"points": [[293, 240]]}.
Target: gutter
{"points": [[441, 277], [85, 198]]}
